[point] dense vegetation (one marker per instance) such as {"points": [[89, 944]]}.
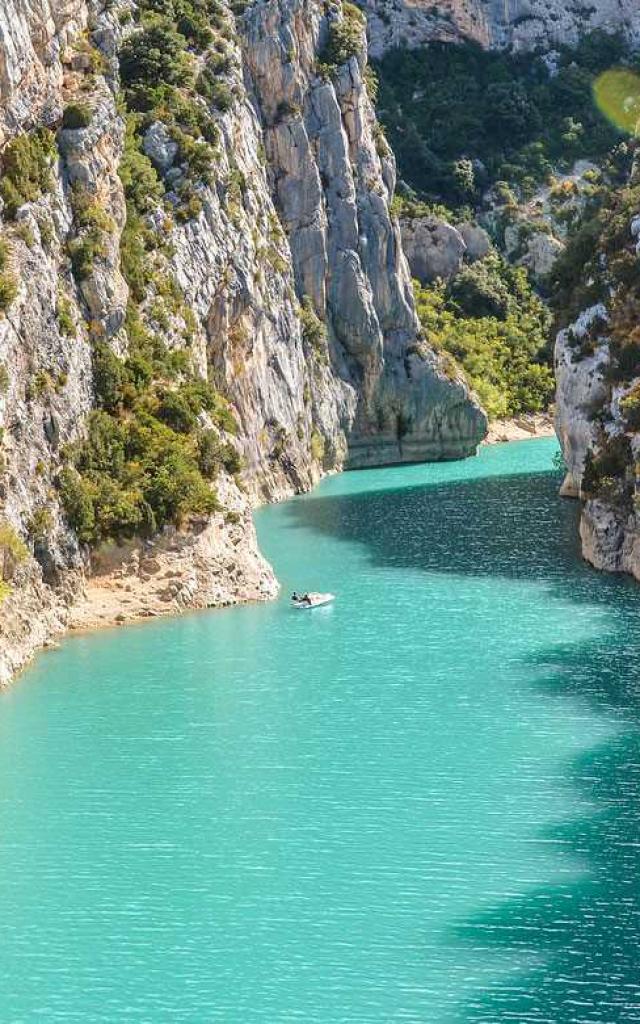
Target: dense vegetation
{"points": [[12, 552], [149, 455], [8, 280], [345, 39], [26, 169], [174, 70], [496, 328], [600, 261], [156, 442], [600, 265], [460, 118]]}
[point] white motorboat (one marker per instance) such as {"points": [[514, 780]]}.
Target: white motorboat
{"points": [[311, 600]]}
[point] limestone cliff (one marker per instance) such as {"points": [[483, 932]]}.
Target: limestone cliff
{"points": [[598, 392], [517, 24], [275, 273]]}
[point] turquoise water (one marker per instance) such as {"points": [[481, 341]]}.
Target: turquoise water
{"points": [[421, 804]]}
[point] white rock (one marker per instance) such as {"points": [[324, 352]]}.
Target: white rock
{"points": [[159, 146]]}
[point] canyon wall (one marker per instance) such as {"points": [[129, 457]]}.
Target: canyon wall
{"points": [[277, 276], [516, 24]]}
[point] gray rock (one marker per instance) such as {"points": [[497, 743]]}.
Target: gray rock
{"points": [[159, 146], [580, 386], [477, 241], [520, 25], [433, 247]]}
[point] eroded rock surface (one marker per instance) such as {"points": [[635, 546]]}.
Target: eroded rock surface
{"points": [[293, 297], [518, 24]]}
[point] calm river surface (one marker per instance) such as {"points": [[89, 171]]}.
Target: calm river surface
{"points": [[421, 804]]}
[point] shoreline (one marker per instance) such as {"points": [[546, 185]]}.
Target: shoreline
{"points": [[520, 428], [142, 583]]}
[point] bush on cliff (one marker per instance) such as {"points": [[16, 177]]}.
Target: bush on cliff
{"points": [[77, 115], [147, 459], [25, 168], [497, 330], [344, 39]]}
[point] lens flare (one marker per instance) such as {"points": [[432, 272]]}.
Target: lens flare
{"points": [[617, 94]]}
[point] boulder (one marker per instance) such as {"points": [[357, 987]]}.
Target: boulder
{"points": [[433, 247], [159, 146]]}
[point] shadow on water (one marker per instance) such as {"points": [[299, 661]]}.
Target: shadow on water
{"points": [[479, 527], [585, 934]]}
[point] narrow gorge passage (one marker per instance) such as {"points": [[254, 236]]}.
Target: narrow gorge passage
{"points": [[417, 804]]}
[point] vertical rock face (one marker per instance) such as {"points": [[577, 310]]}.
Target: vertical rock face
{"points": [[293, 295], [333, 180], [580, 388], [33, 35], [597, 426], [518, 24]]}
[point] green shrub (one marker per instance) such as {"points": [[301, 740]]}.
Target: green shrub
{"points": [[483, 289], [8, 289], [109, 378], [4, 379], [136, 242], [142, 186], [39, 524], [84, 252], [345, 38], [88, 212], [157, 55], [607, 470], [22, 230], [317, 446], [208, 85], [314, 332], [132, 476], [77, 115], [26, 169], [8, 280], [146, 461], [45, 227], [64, 315], [630, 407], [13, 551], [498, 337], [215, 454]]}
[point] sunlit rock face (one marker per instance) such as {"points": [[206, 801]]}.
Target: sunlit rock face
{"points": [[299, 298], [518, 24]]}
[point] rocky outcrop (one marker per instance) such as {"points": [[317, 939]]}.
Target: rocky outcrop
{"points": [[288, 289], [215, 565], [33, 37], [333, 184], [434, 248], [581, 390], [517, 24], [537, 251], [437, 250], [600, 444]]}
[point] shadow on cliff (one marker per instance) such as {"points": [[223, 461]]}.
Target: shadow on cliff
{"points": [[585, 933]]}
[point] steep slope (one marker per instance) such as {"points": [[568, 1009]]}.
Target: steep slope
{"points": [[516, 24], [597, 363], [204, 299]]}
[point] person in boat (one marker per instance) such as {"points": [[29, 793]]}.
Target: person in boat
{"points": [[300, 598]]}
